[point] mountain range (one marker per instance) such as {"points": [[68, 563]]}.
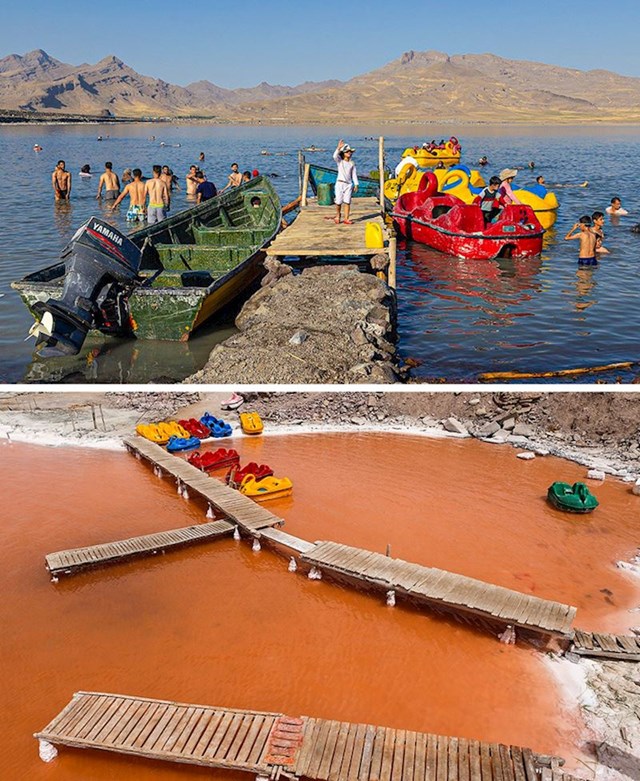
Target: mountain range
{"points": [[416, 87]]}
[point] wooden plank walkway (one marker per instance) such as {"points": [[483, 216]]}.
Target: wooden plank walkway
{"points": [[272, 743], [625, 648], [313, 234], [445, 590], [236, 507], [68, 562]]}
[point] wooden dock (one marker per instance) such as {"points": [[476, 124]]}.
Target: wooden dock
{"points": [[624, 648], [68, 562], [273, 744], [314, 234], [236, 507], [443, 590]]}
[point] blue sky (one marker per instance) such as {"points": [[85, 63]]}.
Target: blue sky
{"points": [[241, 43]]}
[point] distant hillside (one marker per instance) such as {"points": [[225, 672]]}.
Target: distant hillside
{"points": [[417, 87]]}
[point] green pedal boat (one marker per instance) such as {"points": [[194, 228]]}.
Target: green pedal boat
{"points": [[576, 498], [191, 265]]}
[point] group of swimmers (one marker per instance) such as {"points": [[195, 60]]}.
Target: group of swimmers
{"points": [[589, 231], [150, 199]]}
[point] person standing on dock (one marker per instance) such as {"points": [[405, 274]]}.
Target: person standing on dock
{"points": [[347, 181], [110, 182], [158, 193], [61, 181], [137, 194]]}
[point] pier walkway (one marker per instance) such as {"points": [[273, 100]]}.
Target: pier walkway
{"points": [[314, 234], [68, 562], [236, 507], [445, 590], [272, 744], [623, 648]]}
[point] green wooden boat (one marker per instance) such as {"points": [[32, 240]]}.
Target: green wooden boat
{"points": [[576, 498], [193, 263]]}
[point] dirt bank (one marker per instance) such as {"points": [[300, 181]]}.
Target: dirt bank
{"points": [[325, 325]]}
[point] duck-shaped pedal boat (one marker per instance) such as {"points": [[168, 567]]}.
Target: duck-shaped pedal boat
{"points": [[409, 177], [216, 426], [460, 182], [215, 459], [576, 498], [267, 488], [177, 444], [251, 423], [196, 428], [449, 152], [259, 471]]}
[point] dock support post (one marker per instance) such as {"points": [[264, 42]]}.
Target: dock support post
{"points": [[46, 751], [305, 185], [391, 274], [381, 170], [301, 162]]}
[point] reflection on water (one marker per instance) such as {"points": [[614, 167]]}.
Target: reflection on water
{"points": [[457, 321]]}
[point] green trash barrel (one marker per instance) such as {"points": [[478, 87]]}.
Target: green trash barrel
{"points": [[325, 194]]}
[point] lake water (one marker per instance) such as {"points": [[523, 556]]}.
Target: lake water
{"points": [[219, 624], [457, 318]]}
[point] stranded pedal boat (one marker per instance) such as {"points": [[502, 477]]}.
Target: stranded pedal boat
{"points": [[576, 498], [160, 433], [195, 428], [267, 488], [216, 459], [177, 444], [251, 423], [160, 282], [216, 426], [449, 225]]}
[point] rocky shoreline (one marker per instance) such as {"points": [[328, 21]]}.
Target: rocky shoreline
{"points": [[598, 430], [325, 325]]}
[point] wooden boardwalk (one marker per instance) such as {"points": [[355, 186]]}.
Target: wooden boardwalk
{"points": [[68, 562], [445, 590], [624, 648], [236, 507], [270, 744], [310, 234]]}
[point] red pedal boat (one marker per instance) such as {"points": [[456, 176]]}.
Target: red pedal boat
{"points": [[449, 225], [216, 459], [195, 428], [236, 476]]}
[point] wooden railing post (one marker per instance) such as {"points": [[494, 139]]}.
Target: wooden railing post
{"points": [[305, 185], [391, 276]]}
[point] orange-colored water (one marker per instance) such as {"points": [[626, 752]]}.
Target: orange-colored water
{"points": [[218, 624]]}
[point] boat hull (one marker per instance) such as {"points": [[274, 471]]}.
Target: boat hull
{"points": [[462, 245]]}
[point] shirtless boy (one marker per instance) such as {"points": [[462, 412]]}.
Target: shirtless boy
{"points": [[137, 197], [588, 239], [235, 178], [61, 181], [597, 227], [110, 182], [192, 181], [158, 193]]}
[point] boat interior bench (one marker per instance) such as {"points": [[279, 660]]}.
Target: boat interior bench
{"points": [[237, 237], [199, 256]]}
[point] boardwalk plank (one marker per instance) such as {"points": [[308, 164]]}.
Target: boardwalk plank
{"points": [[398, 756], [333, 774], [330, 749]]}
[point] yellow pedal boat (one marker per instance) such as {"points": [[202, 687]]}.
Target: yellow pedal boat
{"points": [[409, 176], [150, 431], [448, 153], [160, 433], [251, 423], [544, 203], [267, 488]]}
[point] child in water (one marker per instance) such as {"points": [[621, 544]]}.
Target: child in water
{"points": [[597, 221], [588, 240], [347, 181]]}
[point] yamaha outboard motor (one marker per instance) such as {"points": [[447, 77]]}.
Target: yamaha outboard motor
{"points": [[101, 270]]}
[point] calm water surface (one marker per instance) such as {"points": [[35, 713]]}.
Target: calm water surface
{"points": [[458, 318], [219, 624]]}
